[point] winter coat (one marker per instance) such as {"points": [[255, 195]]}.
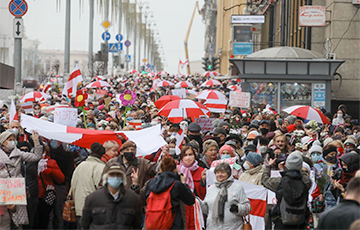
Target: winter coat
{"points": [[85, 180], [180, 192], [49, 176], [147, 169], [203, 163], [102, 211], [253, 176], [30, 172], [232, 221], [341, 216], [64, 160]]}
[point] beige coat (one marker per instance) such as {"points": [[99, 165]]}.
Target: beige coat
{"points": [[85, 181], [253, 176]]}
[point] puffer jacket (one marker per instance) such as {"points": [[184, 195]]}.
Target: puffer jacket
{"points": [[51, 174], [102, 211], [253, 176]]}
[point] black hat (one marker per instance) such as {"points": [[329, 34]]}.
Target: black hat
{"points": [[219, 130], [264, 121], [97, 148], [236, 137], [194, 127], [251, 148]]}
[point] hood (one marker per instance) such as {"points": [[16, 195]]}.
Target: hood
{"points": [[162, 182], [351, 160]]}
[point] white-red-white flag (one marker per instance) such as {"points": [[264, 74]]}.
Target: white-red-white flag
{"points": [[74, 79], [182, 66], [13, 112], [47, 88], [258, 147], [179, 139]]}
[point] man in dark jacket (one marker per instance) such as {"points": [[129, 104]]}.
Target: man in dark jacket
{"points": [[346, 212], [113, 206]]}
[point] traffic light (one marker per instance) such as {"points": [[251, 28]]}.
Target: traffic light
{"points": [[206, 63], [215, 63]]}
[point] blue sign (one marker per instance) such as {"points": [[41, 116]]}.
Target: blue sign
{"points": [[119, 37], [115, 47], [127, 43], [18, 8], [242, 48], [106, 36], [127, 58], [319, 94]]}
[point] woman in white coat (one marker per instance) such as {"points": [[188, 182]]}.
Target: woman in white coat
{"points": [[225, 202]]}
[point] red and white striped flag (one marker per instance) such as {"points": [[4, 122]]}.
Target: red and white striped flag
{"points": [[47, 88], [13, 112], [179, 139], [27, 106], [74, 79], [258, 147]]}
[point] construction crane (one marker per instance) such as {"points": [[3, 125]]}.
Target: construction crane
{"points": [[188, 33]]}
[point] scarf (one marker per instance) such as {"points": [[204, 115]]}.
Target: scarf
{"points": [[42, 165], [221, 198], [186, 170]]}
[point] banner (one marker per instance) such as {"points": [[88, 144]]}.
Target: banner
{"points": [[207, 124], [239, 99], [12, 191], [66, 116]]}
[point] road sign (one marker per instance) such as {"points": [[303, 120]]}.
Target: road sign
{"points": [[106, 24], [127, 58], [115, 47], [106, 36], [18, 27], [18, 8], [127, 43], [119, 37]]}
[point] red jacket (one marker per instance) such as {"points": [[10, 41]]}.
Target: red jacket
{"points": [[200, 192], [49, 175]]}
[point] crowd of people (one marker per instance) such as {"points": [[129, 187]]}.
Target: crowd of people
{"points": [[318, 185]]}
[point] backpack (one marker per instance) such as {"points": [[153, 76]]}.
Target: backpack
{"points": [[158, 214], [293, 202]]}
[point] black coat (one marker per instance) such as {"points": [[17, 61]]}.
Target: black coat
{"points": [[101, 211], [341, 216], [180, 192]]}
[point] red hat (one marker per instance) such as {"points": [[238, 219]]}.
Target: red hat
{"points": [[291, 128]]}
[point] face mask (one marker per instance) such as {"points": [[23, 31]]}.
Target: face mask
{"points": [[339, 115], [250, 142], [4, 173], [246, 166], [54, 144], [196, 138], [114, 182], [37, 111], [264, 131], [263, 149], [217, 139], [243, 136], [129, 156], [315, 158], [172, 151], [225, 156], [331, 160], [10, 145], [167, 139]]}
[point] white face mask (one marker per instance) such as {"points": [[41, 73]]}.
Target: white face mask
{"points": [[246, 166], [10, 145], [263, 149], [250, 142], [339, 115], [37, 111], [172, 151], [4, 173]]}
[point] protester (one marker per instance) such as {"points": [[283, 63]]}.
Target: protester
{"points": [[254, 169], [225, 201], [210, 148], [111, 150]]}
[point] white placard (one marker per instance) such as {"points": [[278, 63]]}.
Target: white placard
{"points": [[66, 116], [207, 124], [239, 99], [12, 191], [179, 92]]}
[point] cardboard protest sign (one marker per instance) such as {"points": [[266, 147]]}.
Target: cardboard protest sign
{"points": [[12, 191], [66, 116], [239, 99], [207, 124], [107, 102], [230, 161]]}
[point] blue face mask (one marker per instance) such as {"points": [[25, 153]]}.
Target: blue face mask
{"points": [[114, 182], [54, 144], [225, 156], [315, 157]]}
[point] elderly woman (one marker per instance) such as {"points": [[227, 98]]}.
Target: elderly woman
{"points": [[254, 169], [111, 150], [225, 201], [13, 158], [210, 148]]}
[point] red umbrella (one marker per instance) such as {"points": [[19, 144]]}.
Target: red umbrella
{"points": [[34, 96], [210, 74], [99, 78], [53, 107], [164, 83], [176, 111], [184, 84], [98, 84], [210, 83], [307, 113], [165, 99]]}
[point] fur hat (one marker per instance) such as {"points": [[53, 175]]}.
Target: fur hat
{"points": [[127, 144], [209, 143]]}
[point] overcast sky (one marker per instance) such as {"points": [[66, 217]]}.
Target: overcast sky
{"points": [[172, 17]]}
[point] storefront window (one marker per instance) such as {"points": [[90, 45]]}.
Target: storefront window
{"points": [[295, 94], [264, 93]]}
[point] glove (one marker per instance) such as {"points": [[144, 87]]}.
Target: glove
{"points": [[234, 208]]}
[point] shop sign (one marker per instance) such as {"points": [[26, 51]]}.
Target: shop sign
{"points": [[245, 19], [312, 16]]}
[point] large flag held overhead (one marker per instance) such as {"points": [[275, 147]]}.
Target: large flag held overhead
{"points": [[74, 79]]}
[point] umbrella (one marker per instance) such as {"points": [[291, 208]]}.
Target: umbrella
{"points": [[215, 101], [98, 84], [177, 110], [53, 107], [234, 87], [190, 91], [34, 96], [162, 73], [159, 103], [210, 83], [210, 74], [164, 83], [307, 113], [150, 74], [132, 71], [184, 84], [97, 78]]}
